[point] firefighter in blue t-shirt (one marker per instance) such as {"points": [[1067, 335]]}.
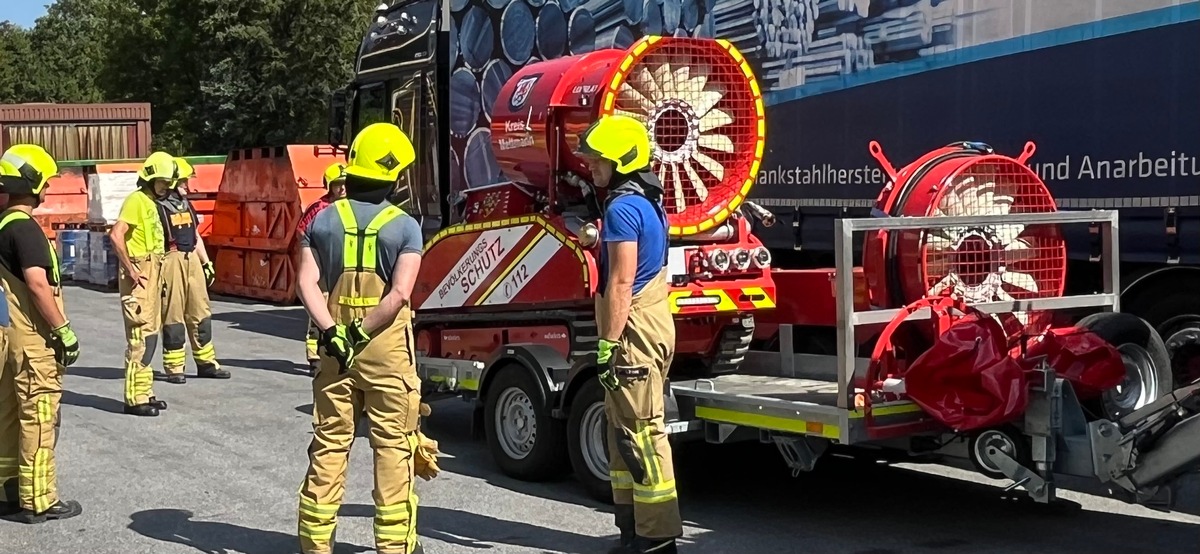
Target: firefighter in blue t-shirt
{"points": [[637, 333]]}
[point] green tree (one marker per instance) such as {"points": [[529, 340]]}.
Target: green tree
{"points": [[15, 49], [68, 46]]}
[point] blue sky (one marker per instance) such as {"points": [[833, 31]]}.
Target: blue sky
{"points": [[24, 12]]}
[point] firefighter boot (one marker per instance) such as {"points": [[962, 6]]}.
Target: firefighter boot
{"points": [[63, 509], [643, 545], [160, 404], [623, 514], [213, 371], [144, 410], [176, 379]]}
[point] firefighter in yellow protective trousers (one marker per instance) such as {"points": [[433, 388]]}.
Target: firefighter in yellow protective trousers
{"points": [[186, 274], [138, 238], [368, 251], [37, 347], [335, 180], [637, 334]]}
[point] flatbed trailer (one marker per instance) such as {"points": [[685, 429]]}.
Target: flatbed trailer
{"points": [[804, 403]]}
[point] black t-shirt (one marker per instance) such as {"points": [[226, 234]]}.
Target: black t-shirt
{"points": [[23, 245]]}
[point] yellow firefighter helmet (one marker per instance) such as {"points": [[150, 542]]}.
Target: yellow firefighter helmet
{"points": [[619, 138], [26, 169]]}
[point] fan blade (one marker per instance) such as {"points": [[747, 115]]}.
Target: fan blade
{"points": [[713, 166], [705, 100], [662, 79], [716, 142], [680, 203], [1018, 251], [1003, 296], [697, 182], [1022, 281], [1007, 234], [644, 81], [713, 119], [680, 80], [938, 243], [631, 97], [698, 80], [950, 282]]}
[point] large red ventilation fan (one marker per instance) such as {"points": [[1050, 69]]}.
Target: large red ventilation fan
{"points": [[977, 263]]}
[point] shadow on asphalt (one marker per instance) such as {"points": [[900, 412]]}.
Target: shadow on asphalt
{"points": [[286, 367], [276, 322], [480, 531], [102, 403], [213, 537], [111, 373], [740, 496]]}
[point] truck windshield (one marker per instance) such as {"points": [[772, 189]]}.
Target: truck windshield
{"points": [[371, 106]]}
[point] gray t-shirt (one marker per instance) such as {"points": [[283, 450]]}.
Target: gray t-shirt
{"points": [[325, 236]]}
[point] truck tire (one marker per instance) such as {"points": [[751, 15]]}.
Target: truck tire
{"points": [[1147, 365], [587, 440], [526, 441], [1182, 337]]}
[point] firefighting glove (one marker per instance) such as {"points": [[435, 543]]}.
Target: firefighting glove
{"points": [[425, 463], [66, 349], [210, 274], [604, 370], [357, 333], [338, 346]]}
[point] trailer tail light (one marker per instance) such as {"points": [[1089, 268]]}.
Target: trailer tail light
{"points": [[741, 259], [719, 260], [762, 258], [694, 301]]}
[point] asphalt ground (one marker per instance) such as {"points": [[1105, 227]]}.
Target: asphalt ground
{"points": [[218, 473]]}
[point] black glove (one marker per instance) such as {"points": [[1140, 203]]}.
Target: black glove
{"points": [[338, 346], [66, 351]]}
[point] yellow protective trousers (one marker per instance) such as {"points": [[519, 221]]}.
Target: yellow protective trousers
{"points": [[187, 315], [30, 392], [141, 307], [639, 454], [383, 379]]}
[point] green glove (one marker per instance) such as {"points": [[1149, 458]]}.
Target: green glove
{"points": [[210, 274], [66, 352], [357, 333], [604, 352], [337, 344]]}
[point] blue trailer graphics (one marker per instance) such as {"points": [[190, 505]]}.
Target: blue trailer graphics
{"points": [[1107, 89]]}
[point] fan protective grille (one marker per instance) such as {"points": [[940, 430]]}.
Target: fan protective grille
{"points": [[704, 109]]}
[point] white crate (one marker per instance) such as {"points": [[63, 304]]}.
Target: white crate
{"points": [[106, 194]]}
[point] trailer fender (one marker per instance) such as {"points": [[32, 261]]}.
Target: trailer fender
{"points": [[1149, 287], [544, 363], [579, 373]]}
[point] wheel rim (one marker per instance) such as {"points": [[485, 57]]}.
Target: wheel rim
{"points": [[592, 432], [995, 439], [1140, 386], [1183, 346], [516, 423]]}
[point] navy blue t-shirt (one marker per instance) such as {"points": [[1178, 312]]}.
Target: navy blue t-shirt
{"points": [[633, 218]]}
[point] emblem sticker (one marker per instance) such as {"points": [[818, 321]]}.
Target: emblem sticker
{"points": [[521, 91]]}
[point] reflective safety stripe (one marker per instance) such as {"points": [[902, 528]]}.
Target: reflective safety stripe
{"points": [[392, 522], [45, 412], [364, 302], [54, 269], [34, 481], [325, 516], [174, 357], [654, 494], [353, 255], [649, 460], [621, 480], [206, 353]]}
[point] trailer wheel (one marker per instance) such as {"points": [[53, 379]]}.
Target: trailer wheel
{"points": [[1005, 439], [1182, 337], [1147, 364], [587, 440], [525, 440]]}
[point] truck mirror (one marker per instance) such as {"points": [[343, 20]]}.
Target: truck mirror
{"points": [[337, 117]]}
